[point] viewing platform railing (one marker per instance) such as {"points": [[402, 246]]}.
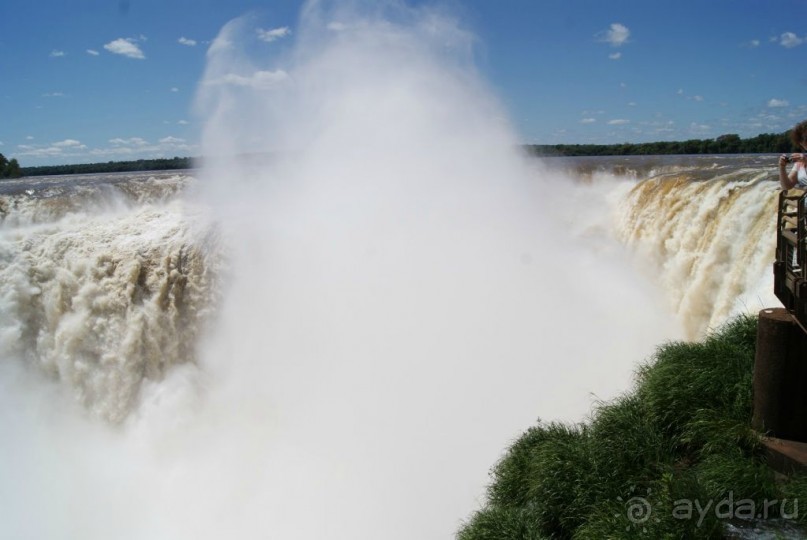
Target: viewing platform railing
{"points": [[789, 283]]}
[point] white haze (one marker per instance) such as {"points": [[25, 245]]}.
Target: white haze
{"points": [[405, 296]]}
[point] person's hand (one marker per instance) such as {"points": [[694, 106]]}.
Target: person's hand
{"points": [[784, 159]]}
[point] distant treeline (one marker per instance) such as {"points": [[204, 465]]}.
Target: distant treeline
{"points": [[112, 166], [725, 144]]}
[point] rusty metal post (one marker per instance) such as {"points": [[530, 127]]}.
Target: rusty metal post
{"points": [[780, 376]]}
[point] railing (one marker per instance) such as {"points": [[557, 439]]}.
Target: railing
{"points": [[789, 283]]}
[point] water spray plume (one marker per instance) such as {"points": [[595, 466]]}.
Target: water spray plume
{"points": [[402, 298], [402, 302]]}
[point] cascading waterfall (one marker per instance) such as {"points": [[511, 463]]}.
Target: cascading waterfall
{"points": [[103, 285], [709, 242], [404, 293]]}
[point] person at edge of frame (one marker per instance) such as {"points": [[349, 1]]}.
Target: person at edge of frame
{"points": [[798, 174]]}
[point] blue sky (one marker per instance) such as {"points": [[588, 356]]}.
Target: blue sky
{"points": [[92, 80]]}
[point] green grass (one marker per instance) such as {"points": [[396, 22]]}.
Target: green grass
{"points": [[683, 434]]}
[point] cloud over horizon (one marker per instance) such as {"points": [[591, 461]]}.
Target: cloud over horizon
{"points": [[69, 143], [136, 141], [119, 148]]}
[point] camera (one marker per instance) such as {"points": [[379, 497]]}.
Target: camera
{"points": [[788, 159]]}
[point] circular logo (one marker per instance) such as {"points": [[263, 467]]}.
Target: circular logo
{"points": [[638, 509]]}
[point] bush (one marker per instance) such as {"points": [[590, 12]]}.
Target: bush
{"points": [[683, 434], [496, 523], [685, 379]]}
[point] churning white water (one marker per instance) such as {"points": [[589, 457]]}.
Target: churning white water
{"points": [[402, 296], [709, 244]]}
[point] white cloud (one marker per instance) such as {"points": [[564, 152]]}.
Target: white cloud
{"points": [[56, 54], [29, 138], [119, 148], [183, 122], [631, 104], [67, 147], [697, 98], [588, 120], [125, 47], [135, 146], [766, 117], [615, 56], [1, 143], [680, 92], [174, 89], [92, 52], [134, 141], [617, 35], [273, 34], [754, 43], [699, 127], [41, 151], [259, 79], [186, 41], [778, 103], [69, 143], [664, 130], [337, 26], [790, 40], [618, 122], [151, 151], [53, 94]]}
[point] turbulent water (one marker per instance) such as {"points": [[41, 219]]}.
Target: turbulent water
{"points": [[703, 227], [340, 340], [108, 282], [103, 282]]}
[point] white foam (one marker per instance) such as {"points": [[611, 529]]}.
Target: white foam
{"points": [[710, 245]]}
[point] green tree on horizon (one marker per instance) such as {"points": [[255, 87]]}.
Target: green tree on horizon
{"points": [[9, 168], [729, 143], [12, 169]]}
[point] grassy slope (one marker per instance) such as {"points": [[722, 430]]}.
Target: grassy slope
{"points": [[683, 433]]}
